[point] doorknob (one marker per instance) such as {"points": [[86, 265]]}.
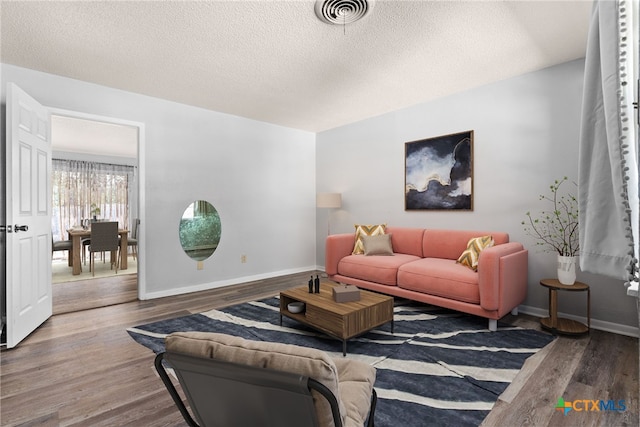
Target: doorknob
{"points": [[17, 228]]}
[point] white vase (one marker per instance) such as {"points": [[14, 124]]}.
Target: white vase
{"points": [[567, 269]]}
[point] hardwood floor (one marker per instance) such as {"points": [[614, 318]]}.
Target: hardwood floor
{"points": [[83, 369], [80, 295], [598, 366]]}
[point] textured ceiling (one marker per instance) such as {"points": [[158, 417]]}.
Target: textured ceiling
{"points": [[88, 136], [274, 61]]}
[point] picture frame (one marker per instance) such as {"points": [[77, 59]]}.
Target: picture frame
{"points": [[439, 173]]}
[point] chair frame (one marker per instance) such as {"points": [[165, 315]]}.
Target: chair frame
{"points": [[133, 239], [299, 385]]}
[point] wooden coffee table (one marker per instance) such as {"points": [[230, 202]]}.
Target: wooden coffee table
{"points": [[342, 320]]}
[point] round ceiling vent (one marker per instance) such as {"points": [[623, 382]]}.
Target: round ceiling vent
{"points": [[341, 12]]}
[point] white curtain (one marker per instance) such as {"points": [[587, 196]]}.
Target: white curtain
{"points": [[81, 189], [608, 163]]}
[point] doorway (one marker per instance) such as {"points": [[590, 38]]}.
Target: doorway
{"points": [[78, 137]]}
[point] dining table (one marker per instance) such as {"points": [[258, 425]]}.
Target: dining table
{"points": [[76, 235]]}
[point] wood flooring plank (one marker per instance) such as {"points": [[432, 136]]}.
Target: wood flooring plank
{"points": [[577, 392], [156, 409], [542, 390], [109, 395], [69, 363], [529, 369], [596, 379], [603, 349], [625, 384], [49, 420], [92, 293]]}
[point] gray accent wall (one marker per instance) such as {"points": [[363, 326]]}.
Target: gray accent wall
{"points": [[526, 132]]}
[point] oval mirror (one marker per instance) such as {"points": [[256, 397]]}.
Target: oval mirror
{"points": [[200, 230]]}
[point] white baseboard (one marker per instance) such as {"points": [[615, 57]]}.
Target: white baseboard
{"points": [[223, 283], [600, 325]]}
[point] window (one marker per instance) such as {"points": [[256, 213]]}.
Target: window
{"points": [[82, 190]]}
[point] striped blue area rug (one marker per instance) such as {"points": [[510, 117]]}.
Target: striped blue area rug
{"points": [[439, 368]]}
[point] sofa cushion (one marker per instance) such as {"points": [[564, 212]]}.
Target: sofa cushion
{"points": [[470, 256], [366, 230], [406, 240], [441, 277], [449, 244], [378, 269], [377, 245]]}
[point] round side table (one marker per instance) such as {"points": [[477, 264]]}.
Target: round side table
{"points": [[558, 324]]}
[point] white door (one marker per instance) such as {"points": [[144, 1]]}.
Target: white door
{"points": [[28, 215]]}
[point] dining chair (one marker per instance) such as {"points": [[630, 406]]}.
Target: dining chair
{"points": [[86, 241], [104, 238], [61, 245]]}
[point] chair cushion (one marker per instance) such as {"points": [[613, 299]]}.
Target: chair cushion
{"points": [[355, 380], [305, 361], [62, 245]]}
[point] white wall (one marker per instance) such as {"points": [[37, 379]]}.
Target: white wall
{"points": [[526, 133], [260, 177]]}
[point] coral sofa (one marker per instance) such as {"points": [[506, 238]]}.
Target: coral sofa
{"points": [[424, 267]]}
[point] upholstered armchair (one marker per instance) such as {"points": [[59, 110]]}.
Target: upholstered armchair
{"points": [[230, 381]]}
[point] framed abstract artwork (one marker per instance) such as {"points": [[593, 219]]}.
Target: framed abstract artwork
{"points": [[439, 173]]}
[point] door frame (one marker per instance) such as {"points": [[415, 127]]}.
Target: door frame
{"points": [[142, 288]]}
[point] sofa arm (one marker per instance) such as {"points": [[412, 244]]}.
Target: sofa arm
{"points": [[337, 247], [502, 277]]}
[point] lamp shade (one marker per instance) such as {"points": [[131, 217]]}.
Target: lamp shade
{"points": [[328, 200]]}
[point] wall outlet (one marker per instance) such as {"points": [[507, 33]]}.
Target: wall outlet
{"points": [[243, 258]]}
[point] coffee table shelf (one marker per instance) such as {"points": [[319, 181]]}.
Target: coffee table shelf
{"points": [[344, 320]]}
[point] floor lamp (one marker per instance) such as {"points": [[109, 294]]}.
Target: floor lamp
{"points": [[329, 200]]}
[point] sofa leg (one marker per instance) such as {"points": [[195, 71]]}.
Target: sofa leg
{"points": [[515, 311], [493, 325]]}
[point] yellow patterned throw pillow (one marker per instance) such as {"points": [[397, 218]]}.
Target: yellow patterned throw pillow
{"points": [[366, 230], [470, 256]]}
